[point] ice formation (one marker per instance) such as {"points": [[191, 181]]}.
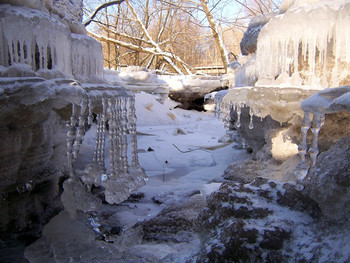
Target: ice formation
{"points": [[309, 43], [43, 40], [327, 101], [118, 112], [46, 43], [280, 103], [300, 51]]}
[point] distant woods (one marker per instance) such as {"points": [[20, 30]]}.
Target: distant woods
{"points": [[171, 35]]}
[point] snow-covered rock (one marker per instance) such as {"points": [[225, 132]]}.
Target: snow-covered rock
{"points": [[191, 90], [138, 79], [253, 222], [270, 221]]}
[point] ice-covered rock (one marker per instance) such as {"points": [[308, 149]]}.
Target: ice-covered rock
{"points": [[246, 74], [249, 41], [263, 117], [67, 239]]}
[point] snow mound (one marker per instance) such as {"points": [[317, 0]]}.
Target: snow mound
{"points": [[150, 112]]}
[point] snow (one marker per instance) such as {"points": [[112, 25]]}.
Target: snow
{"points": [[177, 83], [177, 163]]}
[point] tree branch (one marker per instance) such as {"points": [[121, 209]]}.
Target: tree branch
{"points": [[89, 20]]}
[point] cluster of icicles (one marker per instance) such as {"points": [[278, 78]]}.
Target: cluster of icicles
{"points": [[44, 43], [314, 46], [118, 114], [224, 112], [318, 121]]}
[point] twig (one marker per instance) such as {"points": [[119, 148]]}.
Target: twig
{"points": [[201, 149]]}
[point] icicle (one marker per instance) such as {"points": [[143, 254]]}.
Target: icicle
{"points": [[119, 159], [80, 129], [90, 116], [112, 136], [304, 129], [238, 111], [258, 114], [97, 153], [70, 139], [103, 132], [132, 130], [124, 122], [251, 114], [316, 126]]}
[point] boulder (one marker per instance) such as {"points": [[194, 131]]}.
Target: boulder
{"points": [[190, 92], [250, 38], [328, 183], [252, 222]]}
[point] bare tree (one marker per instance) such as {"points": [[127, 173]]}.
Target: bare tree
{"points": [[170, 34]]}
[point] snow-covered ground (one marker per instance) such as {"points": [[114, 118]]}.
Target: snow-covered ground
{"points": [[180, 152]]}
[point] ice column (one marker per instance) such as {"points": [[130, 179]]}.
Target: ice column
{"points": [[317, 122], [112, 137], [80, 132], [100, 140], [124, 130], [251, 115], [238, 111], [304, 129], [70, 138], [132, 131]]}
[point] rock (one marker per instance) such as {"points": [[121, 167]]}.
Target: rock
{"points": [[174, 223], [240, 224], [190, 92], [328, 182], [250, 38], [66, 239]]}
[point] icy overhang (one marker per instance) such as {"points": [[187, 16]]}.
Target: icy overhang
{"points": [[307, 45], [34, 43], [328, 101], [280, 103]]}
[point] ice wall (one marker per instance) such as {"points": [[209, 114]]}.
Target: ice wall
{"points": [[306, 46], [71, 11], [45, 43]]}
